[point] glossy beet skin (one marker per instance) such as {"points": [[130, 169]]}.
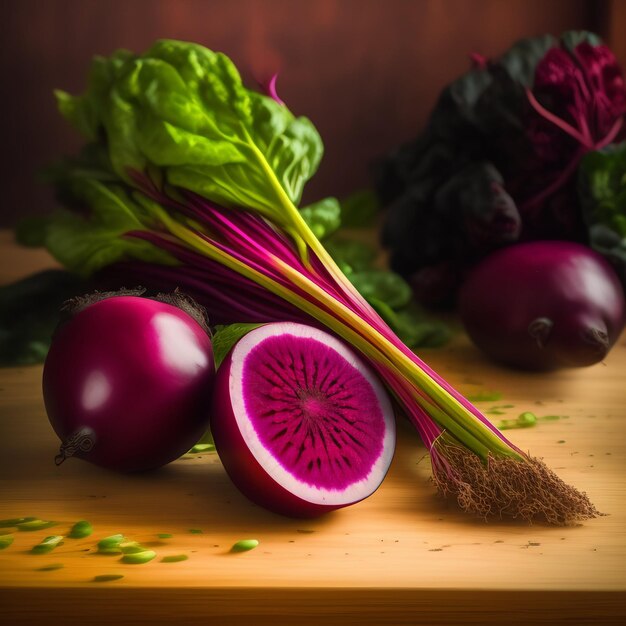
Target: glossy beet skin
{"points": [[137, 374], [543, 305]]}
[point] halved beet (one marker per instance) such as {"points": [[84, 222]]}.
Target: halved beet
{"points": [[300, 423]]}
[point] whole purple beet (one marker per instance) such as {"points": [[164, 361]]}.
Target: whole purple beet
{"points": [[127, 383], [543, 305]]}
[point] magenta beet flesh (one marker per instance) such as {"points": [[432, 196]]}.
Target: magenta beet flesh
{"points": [[543, 305], [301, 425], [134, 376]]}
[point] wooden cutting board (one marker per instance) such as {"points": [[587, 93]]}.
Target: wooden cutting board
{"points": [[403, 556]]}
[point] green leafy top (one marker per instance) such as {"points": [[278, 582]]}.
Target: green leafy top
{"points": [[182, 109], [602, 178]]}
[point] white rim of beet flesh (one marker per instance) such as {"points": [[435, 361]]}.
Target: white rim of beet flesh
{"points": [[317, 495]]}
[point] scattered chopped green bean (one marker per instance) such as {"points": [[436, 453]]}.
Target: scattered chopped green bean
{"points": [[131, 547], [111, 545], [35, 524], [47, 545], [203, 447], [15, 521], [244, 545], [5, 541], [138, 558], [165, 535], [523, 420], [80, 530], [175, 558], [111, 541], [107, 578], [51, 567]]}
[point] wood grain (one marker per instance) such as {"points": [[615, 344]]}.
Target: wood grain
{"points": [[401, 555]]}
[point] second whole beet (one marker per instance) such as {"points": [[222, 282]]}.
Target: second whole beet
{"points": [[543, 305]]}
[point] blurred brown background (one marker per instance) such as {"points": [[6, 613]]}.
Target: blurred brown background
{"points": [[367, 72]]}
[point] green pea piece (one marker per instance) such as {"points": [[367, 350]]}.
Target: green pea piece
{"points": [[51, 568], [15, 521], [203, 447], [107, 578], [131, 547], [47, 545], [35, 524], [164, 535], [244, 545], [80, 530], [5, 541], [527, 419], [174, 558], [139, 558], [111, 544]]}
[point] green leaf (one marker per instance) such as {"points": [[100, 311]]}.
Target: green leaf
{"points": [[359, 209], [418, 330], [383, 286], [31, 231], [225, 337], [29, 313], [521, 59], [322, 217], [602, 188], [86, 244], [184, 109], [350, 254], [573, 38]]}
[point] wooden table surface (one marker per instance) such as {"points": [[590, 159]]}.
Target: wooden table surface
{"points": [[402, 556]]}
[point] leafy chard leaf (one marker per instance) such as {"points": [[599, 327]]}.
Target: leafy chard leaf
{"points": [[85, 244], [183, 108], [602, 188], [29, 313], [359, 209], [31, 232], [350, 254], [226, 337], [384, 286], [418, 330], [322, 217]]}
